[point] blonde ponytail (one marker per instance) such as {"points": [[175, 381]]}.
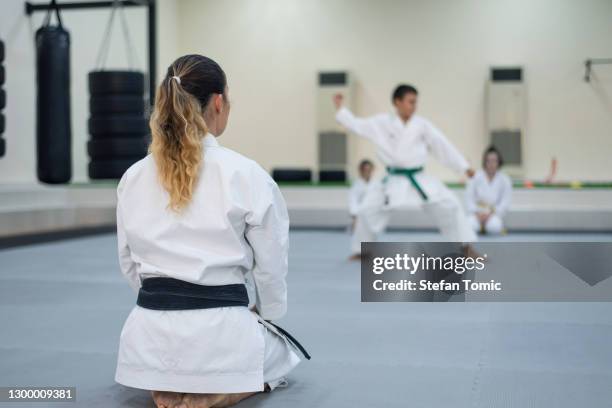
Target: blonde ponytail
{"points": [[177, 125]]}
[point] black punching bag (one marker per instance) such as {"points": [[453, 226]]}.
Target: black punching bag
{"points": [[53, 133]]}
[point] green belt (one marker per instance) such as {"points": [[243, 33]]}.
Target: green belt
{"points": [[409, 173]]}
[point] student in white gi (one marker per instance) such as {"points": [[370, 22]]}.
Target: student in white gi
{"points": [[201, 213], [404, 141], [488, 195], [357, 193], [359, 186]]}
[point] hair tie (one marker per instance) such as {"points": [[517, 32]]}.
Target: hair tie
{"points": [[178, 79]]}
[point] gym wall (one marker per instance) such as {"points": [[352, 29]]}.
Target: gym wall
{"points": [[86, 29], [272, 51]]}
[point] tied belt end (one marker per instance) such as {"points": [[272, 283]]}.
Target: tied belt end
{"points": [[409, 173], [291, 340]]}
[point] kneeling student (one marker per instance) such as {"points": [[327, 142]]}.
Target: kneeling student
{"points": [[359, 187], [357, 193], [193, 218], [488, 194]]}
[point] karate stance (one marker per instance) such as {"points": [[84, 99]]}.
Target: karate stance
{"points": [[488, 195], [404, 141], [193, 218]]}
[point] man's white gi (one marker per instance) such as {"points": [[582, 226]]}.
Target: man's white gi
{"points": [[488, 196], [236, 222], [407, 145]]}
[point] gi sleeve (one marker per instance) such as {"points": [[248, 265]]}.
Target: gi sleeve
{"points": [[505, 197], [364, 127], [267, 232], [126, 264], [443, 150], [470, 196]]}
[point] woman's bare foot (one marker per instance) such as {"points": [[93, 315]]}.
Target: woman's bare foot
{"points": [[232, 399], [201, 400], [165, 399], [212, 400], [355, 257]]}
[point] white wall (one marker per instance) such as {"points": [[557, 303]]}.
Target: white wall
{"points": [[86, 28], [272, 50]]}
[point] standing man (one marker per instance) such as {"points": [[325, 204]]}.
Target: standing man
{"points": [[404, 141]]}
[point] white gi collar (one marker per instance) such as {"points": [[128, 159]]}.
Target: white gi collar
{"points": [[400, 122], [210, 140]]}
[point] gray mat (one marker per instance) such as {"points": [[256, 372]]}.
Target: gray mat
{"points": [[62, 306]]}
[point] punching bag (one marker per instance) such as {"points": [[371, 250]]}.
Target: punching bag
{"points": [[53, 130], [2, 99]]}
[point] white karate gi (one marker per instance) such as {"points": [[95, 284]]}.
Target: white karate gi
{"points": [[407, 145], [357, 193], [483, 196], [236, 222]]}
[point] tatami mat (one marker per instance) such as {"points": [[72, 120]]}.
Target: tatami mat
{"points": [[62, 306]]}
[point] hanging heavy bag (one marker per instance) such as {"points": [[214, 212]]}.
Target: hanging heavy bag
{"points": [[118, 126], [2, 100], [53, 130]]}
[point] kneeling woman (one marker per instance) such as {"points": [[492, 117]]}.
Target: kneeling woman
{"points": [[193, 218]]}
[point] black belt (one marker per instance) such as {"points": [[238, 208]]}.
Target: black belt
{"points": [[174, 294]]}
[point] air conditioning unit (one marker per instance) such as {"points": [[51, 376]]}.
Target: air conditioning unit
{"points": [[334, 145], [506, 116]]}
